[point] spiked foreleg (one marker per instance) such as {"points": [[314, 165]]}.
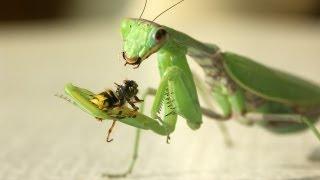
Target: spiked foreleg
{"points": [[173, 85]]}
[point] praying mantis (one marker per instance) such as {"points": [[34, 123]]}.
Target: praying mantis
{"points": [[243, 89]]}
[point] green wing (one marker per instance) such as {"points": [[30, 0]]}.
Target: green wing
{"points": [[270, 83]]}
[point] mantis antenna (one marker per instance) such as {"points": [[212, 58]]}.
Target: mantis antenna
{"points": [[145, 4], [167, 9]]}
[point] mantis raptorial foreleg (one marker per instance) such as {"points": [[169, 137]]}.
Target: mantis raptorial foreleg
{"points": [[205, 111], [174, 86], [163, 89]]}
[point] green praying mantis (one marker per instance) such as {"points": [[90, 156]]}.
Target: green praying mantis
{"points": [[244, 90]]}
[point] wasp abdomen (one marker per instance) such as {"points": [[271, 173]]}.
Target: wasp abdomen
{"points": [[111, 99]]}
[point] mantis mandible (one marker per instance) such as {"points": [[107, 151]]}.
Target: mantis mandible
{"points": [[244, 90]]}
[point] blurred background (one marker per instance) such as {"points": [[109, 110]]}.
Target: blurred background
{"points": [[46, 44]]}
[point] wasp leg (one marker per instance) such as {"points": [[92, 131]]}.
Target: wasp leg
{"points": [[132, 105], [137, 100], [110, 130]]}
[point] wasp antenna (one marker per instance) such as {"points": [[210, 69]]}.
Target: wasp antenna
{"points": [[167, 10], [144, 7]]}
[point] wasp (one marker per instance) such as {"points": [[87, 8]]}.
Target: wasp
{"points": [[125, 93], [109, 99]]}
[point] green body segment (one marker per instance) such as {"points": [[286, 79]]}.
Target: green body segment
{"points": [[269, 83], [281, 92]]}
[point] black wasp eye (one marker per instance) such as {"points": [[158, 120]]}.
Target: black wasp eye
{"points": [[160, 34]]}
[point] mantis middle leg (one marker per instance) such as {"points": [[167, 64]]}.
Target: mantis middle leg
{"points": [[250, 118], [210, 112]]}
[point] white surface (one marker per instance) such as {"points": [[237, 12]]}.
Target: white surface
{"points": [[45, 138]]}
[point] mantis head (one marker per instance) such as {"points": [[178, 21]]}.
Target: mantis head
{"points": [[141, 39]]}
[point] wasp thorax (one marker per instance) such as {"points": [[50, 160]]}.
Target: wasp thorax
{"points": [[130, 88]]}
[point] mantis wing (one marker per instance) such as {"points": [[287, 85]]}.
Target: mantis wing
{"points": [[270, 83]]}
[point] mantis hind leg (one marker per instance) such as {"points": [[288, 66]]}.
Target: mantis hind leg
{"points": [[136, 144], [284, 119]]}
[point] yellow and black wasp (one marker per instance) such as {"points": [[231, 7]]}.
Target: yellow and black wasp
{"points": [[109, 99], [125, 93]]}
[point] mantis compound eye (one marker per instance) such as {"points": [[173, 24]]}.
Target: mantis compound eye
{"points": [[160, 34]]}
